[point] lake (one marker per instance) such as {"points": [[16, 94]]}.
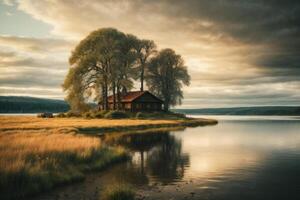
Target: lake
{"points": [[240, 158]]}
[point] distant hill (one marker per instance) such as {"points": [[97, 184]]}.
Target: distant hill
{"points": [[18, 104], [260, 110]]}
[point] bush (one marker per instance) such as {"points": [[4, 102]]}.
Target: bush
{"points": [[72, 114], [60, 115], [116, 115], [88, 115], [141, 115], [118, 192], [100, 114], [45, 115], [178, 115], [160, 115]]}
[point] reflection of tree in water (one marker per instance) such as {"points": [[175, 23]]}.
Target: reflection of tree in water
{"points": [[165, 160], [139, 142]]}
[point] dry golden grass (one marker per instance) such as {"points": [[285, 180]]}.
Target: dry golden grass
{"points": [[30, 122], [15, 147], [37, 153], [34, 161]]}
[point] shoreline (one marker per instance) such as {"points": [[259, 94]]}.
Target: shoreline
{"points": [[81, 125]]}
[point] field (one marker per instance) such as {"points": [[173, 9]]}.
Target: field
{"points": [[37, 154]]}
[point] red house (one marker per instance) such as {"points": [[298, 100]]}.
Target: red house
{"points": [[138, 101]]}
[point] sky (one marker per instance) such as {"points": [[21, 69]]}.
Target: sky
{"points": [[238, 53]]}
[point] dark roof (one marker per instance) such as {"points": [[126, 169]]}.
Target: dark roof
{"points": [[131, 96]]}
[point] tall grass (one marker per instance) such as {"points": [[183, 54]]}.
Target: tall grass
{"points": [[35, 161]]}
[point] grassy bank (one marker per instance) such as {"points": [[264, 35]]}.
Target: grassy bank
{"points": [[37, 154], [101, 125], [35, 161]]}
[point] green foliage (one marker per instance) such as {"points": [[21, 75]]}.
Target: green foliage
{"points": [[116, 115], [166, 76], [160, 115], [100, 114], [108, 60], [103, 60], [60, 115], [118, 192], [141, 115], [72, 114], [88, 115]]}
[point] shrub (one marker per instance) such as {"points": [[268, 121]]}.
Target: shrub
{"points": [[60, 115], [160, 115], [100, 114], [116, 115], [118, 192], [88, 115], [180, 115], [72, 114], [45, 115], [141, 115]]}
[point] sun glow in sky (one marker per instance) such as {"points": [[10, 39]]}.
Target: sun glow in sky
{"points": [[238, 53]]}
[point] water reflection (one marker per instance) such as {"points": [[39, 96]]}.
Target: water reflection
{"points": [[155, 155], [235, 160]]}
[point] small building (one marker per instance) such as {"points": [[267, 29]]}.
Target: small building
{"points": [[136, 101]]}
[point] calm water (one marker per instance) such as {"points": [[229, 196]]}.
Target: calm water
{"points": [[252, 158], [241, 158]]}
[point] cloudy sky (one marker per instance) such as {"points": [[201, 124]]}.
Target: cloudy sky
{"points": [[238, 53]]}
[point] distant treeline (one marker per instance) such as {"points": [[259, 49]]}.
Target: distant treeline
{"points": [[15, 104], [264, 110]]}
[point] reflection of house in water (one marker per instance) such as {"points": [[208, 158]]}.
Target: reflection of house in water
{"points": [[156, 154]]}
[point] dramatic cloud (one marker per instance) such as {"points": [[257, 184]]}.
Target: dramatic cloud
{"points": [[27, 65], [36, 45], [238, 52]]}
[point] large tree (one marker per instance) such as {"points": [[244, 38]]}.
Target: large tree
{"points": [[166, 75], [100, 63]]}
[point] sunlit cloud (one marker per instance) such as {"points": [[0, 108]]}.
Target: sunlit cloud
{"points": [[234, 49]]}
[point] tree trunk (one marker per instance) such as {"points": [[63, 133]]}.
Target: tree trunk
{"points": [[103, 97], [105, 94], [114, 95], [166, 106], [142, 78], [118, 97]]}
